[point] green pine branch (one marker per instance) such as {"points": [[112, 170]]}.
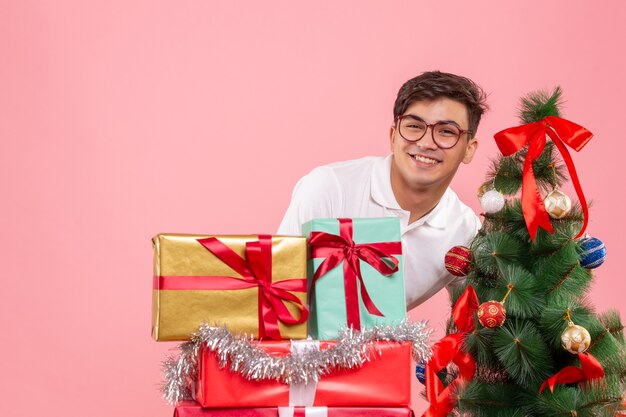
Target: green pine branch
{"points": [[522, 351], [524, 300], [611, 321], [540, 104]]}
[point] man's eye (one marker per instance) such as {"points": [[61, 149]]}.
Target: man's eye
{"points": [[447, 131], [415, 126]]}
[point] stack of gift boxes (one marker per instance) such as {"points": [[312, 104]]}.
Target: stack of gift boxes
{"points": [[288, 295]]}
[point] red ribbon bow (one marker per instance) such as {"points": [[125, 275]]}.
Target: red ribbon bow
{"points": [[338, 249], [562, 132], [450, 349], [256, 271], [590, 369]]}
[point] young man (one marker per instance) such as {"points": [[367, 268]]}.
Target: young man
{"points": [[436, 115]]}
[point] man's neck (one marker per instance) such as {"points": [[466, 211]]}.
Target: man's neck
{"points": [[418, 202], [419, 205]]}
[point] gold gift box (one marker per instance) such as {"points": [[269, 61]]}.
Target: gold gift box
{"points": [[177, 313]]}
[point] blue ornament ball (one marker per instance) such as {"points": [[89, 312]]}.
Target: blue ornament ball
{"points": [[592, 252], [420, 370]]}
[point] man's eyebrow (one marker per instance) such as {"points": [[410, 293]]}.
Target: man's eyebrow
{"points": [[452, 122], [414, 116]]}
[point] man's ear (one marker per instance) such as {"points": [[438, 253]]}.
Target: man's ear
{"points": [[392, 135], [470, 150]]}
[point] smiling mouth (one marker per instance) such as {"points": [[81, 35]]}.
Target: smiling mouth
{"points": [[425, 159]]}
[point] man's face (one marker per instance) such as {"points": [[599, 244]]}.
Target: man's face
{"points": [[422, 165]]}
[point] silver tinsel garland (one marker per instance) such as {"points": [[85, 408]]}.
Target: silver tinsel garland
{"points": [[240, 353]]}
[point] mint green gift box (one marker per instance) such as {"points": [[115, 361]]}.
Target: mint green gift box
{"points": [[329, 310]]}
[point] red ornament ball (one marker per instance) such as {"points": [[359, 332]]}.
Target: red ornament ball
{"points": [[491, 314], [458, 260]]}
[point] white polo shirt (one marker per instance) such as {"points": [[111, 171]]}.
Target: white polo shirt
{"points": [[362, 188]]}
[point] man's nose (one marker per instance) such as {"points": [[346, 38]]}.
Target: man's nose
{"points": [[427, 141]]}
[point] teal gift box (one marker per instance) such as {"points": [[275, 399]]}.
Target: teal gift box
{"points": [[355, 274]]}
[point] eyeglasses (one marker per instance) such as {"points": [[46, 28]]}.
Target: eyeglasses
{"points": [[444, 134]]}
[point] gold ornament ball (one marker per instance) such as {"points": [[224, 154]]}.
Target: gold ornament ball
{"points": [[575, 339], [557, 204]]}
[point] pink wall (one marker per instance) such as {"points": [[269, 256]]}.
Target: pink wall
{"points": [[122, 119]]}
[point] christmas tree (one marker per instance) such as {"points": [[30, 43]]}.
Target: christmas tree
{"points": [[524, 340]]}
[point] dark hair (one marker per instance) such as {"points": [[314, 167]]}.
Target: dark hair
{"points": [[433, 85]]}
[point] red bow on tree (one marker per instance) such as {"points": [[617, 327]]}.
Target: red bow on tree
{"points": [[590, 369], [562, 132], [450, 349]]}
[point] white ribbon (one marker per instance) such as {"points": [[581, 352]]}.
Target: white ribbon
{"points": [[303, 394], [308, 411]]}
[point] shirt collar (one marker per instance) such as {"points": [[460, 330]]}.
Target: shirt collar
{"points": [[438, 215], [383, 194], [381, 184]]}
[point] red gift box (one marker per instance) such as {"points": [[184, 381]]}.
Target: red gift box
{"points": [[192, 409], [385, 381]]}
